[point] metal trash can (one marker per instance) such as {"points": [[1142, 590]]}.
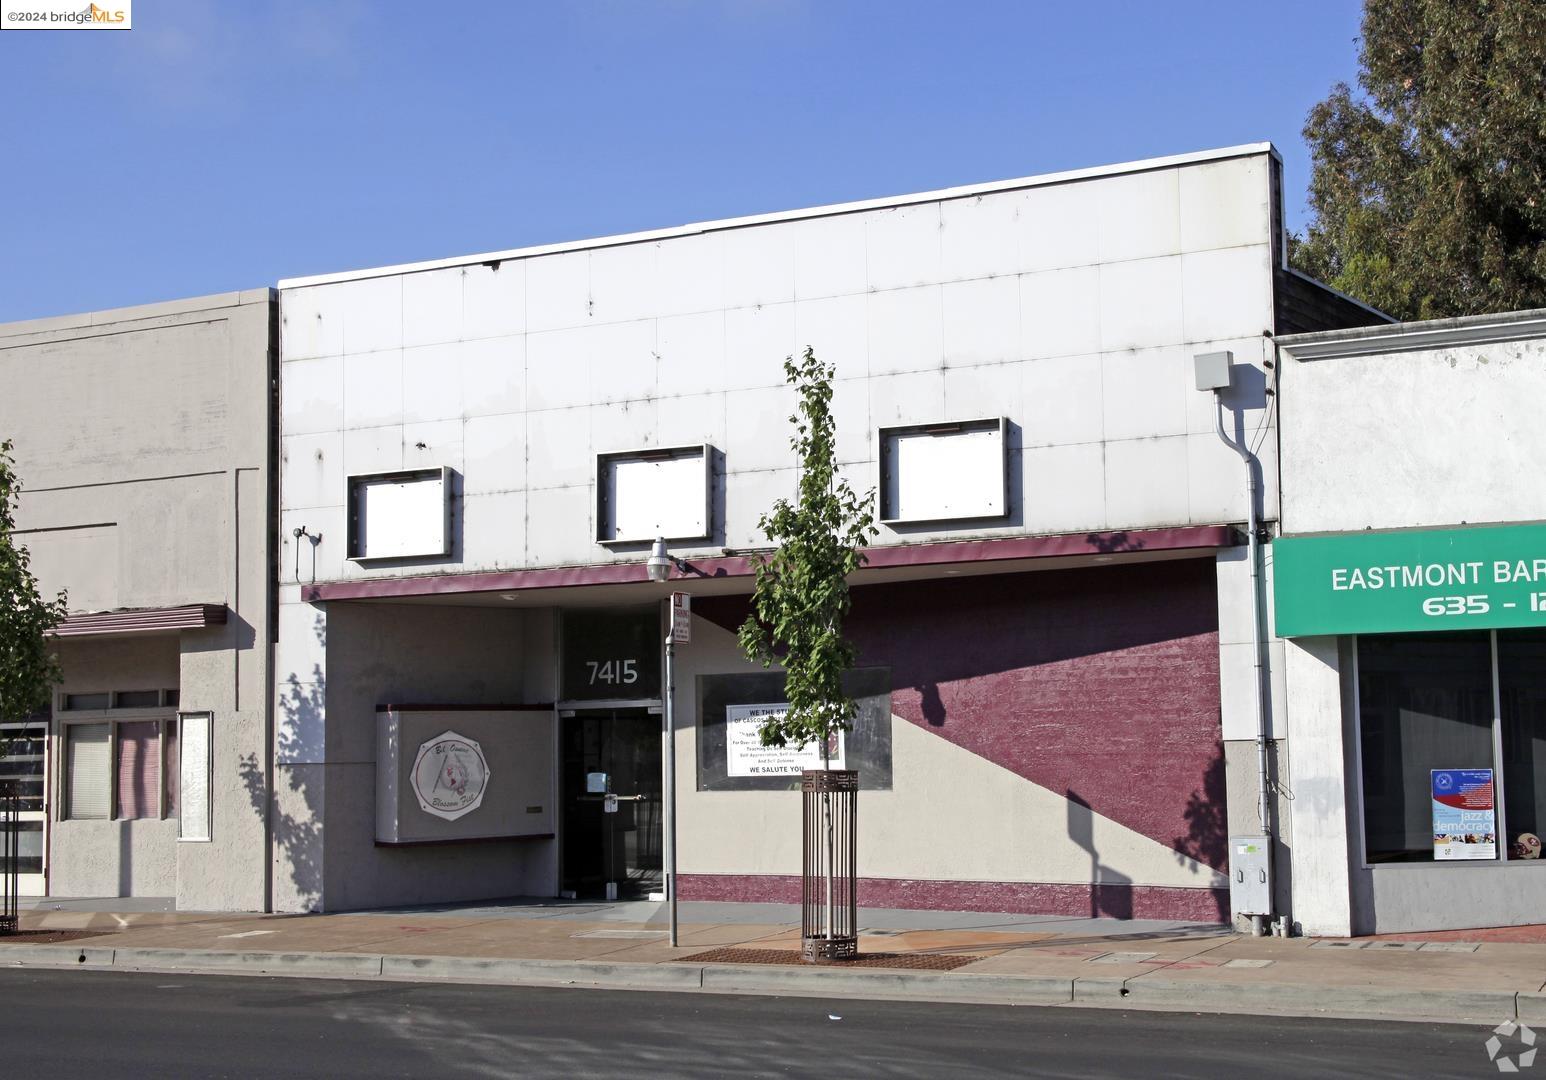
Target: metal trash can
{"points": [[829, 926]]}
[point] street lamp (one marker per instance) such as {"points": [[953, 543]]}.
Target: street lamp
{"points": [[659, 566]]}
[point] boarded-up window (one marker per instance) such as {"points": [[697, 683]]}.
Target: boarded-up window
{"points": [[87, 763], [139, 769], [943, 472], [403, 515], [193, 757], [642, 495]]}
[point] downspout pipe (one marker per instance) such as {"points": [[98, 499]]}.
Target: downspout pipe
{"points": [[1253, 554]]}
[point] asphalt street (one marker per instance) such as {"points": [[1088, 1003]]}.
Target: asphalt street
{"points": [[109, 1024]]}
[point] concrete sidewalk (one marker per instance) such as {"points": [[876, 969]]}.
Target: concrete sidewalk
{"points": [[941, 956]]}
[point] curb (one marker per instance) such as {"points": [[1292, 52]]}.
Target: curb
{"points": [[1146, 992], [543, 972], [905, 985], [1150, 992]]}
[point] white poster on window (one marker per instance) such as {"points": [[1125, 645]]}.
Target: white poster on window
{"points": [[746, 756], [194, 776]]}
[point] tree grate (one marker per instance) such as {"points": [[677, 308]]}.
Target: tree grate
{"points": [[905, 961]]}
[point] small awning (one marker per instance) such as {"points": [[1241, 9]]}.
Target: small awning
{"points": [[143, 620]]}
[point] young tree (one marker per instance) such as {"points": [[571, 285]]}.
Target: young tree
{"points": [[1428, 192], [801, 593], [28, 668]]}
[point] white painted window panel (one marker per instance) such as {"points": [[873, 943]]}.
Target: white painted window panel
{"points": [[194, 776], [397, 518], [947, 475], [660, 498]]}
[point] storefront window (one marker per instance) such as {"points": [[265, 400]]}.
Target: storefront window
{"points": [[1428, 702], [1425, 703], [1522, 692]]}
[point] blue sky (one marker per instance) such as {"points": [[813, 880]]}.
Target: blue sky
{"points": [[221, 146]]}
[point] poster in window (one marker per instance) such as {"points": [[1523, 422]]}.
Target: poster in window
{"points": [[746, 756], [732, 708], [194, 778], [1463, 822]]}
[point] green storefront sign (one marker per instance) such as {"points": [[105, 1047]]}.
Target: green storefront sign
{"points": [[1420, 579]]}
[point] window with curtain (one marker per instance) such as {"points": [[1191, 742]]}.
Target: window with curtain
{"points": [[139, 769], [173, 768]]}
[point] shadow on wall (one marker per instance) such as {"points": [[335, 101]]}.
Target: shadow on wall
{"points": [[1207, 828], [296, 823], [1111, 892]]}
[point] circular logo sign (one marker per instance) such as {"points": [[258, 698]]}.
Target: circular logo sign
{"points": [[449, 775]]}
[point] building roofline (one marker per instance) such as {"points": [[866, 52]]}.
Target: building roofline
{"points": [[966, 191], [139, 312], [1410, 336], [1338, 293]]}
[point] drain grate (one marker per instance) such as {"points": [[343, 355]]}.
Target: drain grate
{"points": [[905, 961]]}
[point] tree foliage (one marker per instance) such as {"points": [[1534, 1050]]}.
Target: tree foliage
{"points": [[801, 594], [28, 668], [1428, 191]]}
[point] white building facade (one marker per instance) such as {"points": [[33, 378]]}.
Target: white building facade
{"points": [[1057, 675], [1411, 589]]}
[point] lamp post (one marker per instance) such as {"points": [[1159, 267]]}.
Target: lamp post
{"points": [[659, 566]]}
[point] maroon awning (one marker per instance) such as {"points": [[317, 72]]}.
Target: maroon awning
{"points": [[143, 620], [941, 553]]}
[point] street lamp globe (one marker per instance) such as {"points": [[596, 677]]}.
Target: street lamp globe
{"points": [[659, 564]]}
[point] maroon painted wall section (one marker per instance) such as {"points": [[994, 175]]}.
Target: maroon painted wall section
{"points": [[1101, 684], [1023, 898]]}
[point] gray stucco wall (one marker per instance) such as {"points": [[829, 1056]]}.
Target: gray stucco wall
{"points": [[364, 655], [143, 438], [113, 858]]}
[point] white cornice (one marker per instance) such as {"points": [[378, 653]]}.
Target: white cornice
{"points": [[1415, 336]]}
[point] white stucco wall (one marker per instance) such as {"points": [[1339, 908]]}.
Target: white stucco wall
{"points": [[1073, 309], [1414, 437]]}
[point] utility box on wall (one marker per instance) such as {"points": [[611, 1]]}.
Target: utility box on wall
{"points": [[1250, 875], [445, 774]]}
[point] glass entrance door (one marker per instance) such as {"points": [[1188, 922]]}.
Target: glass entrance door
{"points": [[612, 804], [23, 750]]}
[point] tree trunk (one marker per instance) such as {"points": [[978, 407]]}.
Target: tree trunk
{"points": [[826, 813]]}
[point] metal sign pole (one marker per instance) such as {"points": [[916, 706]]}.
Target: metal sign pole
{"points": [[671, 778]]}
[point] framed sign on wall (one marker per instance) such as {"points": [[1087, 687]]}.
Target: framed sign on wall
{"points": [[733, 708]]}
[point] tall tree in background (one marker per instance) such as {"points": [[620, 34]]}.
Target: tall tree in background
{"points": [[28, 669], [1428, 195]]}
